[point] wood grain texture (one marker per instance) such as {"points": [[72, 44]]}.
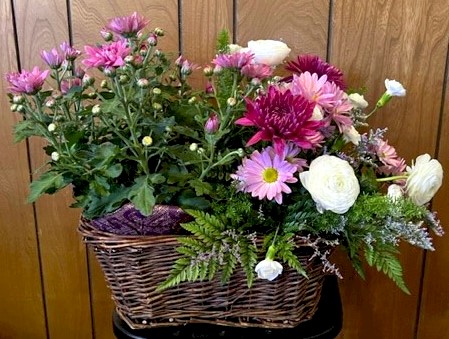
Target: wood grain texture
{"points": [[88, 17], [43, 25], [301, 24], [404, 40], [434, 312], [20, 283]]}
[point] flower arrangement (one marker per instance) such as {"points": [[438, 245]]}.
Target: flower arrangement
{"points": [[253, 154]]}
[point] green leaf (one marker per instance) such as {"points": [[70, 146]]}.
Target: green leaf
{"points": [[24, 129], [113, 171], [49, 182], [142, 196], [200, 187]]}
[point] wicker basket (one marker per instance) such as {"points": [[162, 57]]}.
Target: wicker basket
{"points": [[135, 265]]}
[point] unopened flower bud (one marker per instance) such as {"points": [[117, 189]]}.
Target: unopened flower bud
{"points": [[13, 107], [51, 127], [128, 59], [143, 51], [104, 84], [168, 129], [20, 108], [218, 69], [152, 40], [123, 79], [87, 80], [91, 95], [255, 81], [54, 156], [147, 140], [231, 101], [212, 123], [158, 53], [208, 71], [157, 106], [157, 91], [143, 83], [241, 152], [193, 147], [18, 99], [96, 109], [192, 100], [109, 71], [200, 150], [106, 35], [159, 31]]}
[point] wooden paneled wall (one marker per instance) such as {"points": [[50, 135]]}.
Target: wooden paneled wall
{"points": [[51, 286]]}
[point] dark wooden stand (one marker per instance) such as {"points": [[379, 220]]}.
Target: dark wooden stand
{"points": [[325, 324]]}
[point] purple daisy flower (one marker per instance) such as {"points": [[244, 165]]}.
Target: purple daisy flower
{"points": [[265, 175], [281, 117], [314, 64]]}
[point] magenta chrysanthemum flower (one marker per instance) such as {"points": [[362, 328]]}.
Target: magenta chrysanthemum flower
{"points": [[259, 71], [26, 82], [314, 64], [127, 26], [234, 60], [265, 175], [106, 56], [281, 117]]}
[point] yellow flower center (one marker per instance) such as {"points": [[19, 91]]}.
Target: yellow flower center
{"points": [[270, 175]]}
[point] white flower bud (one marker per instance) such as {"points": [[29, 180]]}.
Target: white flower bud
{"points": [[51, 127], [55, 156], [231, 101], [147, 140], [157, 91], [193, 147], [96, 109]]}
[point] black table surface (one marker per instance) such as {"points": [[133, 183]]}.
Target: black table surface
{"points": [[325, 324]]}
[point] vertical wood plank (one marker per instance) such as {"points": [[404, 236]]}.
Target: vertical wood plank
{"points": [[404, 40], [88, 17], [20, 282], [202, 20], [43, 25], [301, 24], [434, 311]]}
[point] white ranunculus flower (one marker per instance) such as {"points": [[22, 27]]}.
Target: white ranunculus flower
{"points": [[233, 48], [425, 177], [394, 88], [332, 184], [268, 269], [357, 100], [350, 134], [269, 52], [395, 192]]}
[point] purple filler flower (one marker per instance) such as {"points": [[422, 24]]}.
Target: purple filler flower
{"points": [[26, 82], [106, 56], [52, 58], [265, 175], [281, 117], [127, 26]]}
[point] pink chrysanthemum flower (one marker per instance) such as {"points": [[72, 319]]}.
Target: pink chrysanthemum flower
{"points": [[70, 53], [106, 56], [127, 26], [393, 164], [234, 60], [314, 64], [265, 175], [259, 71], [26, 82], [312, 87], [281, 117], [338, 106]]}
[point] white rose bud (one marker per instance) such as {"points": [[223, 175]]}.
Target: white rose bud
{"points": [[332, 184], [425, 178], [269, 52]]}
